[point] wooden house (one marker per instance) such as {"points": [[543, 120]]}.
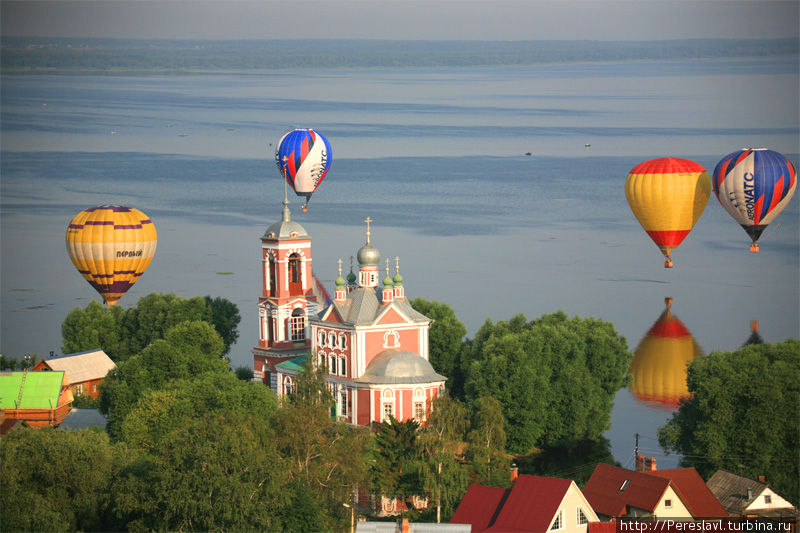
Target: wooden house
{"points": [[37, 398], [85, 370]]}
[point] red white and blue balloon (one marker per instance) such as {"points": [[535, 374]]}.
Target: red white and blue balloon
{"points": [[303, 157], [754, 186]]}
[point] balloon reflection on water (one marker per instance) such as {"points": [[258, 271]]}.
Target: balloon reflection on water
{"points": [[659, 362]]}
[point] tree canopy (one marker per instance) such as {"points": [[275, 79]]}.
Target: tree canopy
{"points": [[554, 377], [122, 333], [742, 415]]}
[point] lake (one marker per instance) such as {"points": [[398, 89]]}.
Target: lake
{"points": [[437, 158]]}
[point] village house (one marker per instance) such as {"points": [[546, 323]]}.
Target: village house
{"points": [[38, 399], [680, 493], [534, 504], [85, 370], [372, 343], [743, 496]]}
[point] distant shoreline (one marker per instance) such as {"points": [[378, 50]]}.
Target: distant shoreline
{"points": [[30, 55]]}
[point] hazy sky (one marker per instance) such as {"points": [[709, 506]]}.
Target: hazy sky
{"points": [[398, 19]]}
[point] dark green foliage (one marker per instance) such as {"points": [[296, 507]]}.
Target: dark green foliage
{"points": [[244, 373], [446, 339], [188, 349], [84, 401], [575, 462], [8, 363], [444, 474], [96, 326], [555, 377], [742, 415], [327, 459], [487, 443], [122, 333], [52, 480], [396, 470], [225, 318]]}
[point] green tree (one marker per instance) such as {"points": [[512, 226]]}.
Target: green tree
{"points": [[225, 318], [742, 415], [328, 458], [96, 326], [54, 480], [555, 377], [445, 341], [397, 455], [487, 443], [244, 373], [156, 313], [445, 476], [209, 458], [188, 349]]}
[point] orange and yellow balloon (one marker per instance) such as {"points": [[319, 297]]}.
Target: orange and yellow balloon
{"points": [[111, 246], [660, 362], [667, 196]]}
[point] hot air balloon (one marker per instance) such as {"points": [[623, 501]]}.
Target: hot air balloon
{"points": [[111, 246], [754, 185], [303, 158], [659, 362], [668, 196]]}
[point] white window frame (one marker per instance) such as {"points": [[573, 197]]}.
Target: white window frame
{"points": [[387, 410], [297, 326], [558, 521], [581, 517], [668, 503]]}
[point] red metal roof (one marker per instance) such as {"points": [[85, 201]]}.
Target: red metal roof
{"points": [[693, 491], [479, 506], [641, 491], [532, 504]]}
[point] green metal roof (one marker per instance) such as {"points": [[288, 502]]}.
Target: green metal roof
{"points": [[30, 390], [295, 363]]}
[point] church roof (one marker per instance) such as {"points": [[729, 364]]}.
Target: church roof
{"points": [[398, 366], [285, 230], [362, 307]]}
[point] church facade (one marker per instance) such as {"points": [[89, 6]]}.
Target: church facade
{"points": [[368, 337]]}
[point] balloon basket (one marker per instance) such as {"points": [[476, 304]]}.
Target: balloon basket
{"points": [[668, 263], [754, 248], [305, 209]]}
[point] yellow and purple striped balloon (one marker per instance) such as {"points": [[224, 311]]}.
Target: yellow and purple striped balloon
{"points": [[111, 246]]}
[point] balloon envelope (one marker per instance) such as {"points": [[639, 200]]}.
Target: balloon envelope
{"points": [[303, 157], [754, 185], [111, 246], [667, 196]]}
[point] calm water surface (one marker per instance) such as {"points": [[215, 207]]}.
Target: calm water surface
{"points": [[437, 158]]}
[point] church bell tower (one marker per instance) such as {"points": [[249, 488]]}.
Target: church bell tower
{"points": [[287, 297]]}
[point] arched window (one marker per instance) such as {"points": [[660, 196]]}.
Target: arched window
{"points": [[342, 366], [342, 341], [321, 338], [288, 386], [295, 276], [332, 340], [332, 364], [297, 325]]}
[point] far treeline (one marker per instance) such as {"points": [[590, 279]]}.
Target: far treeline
{"points": [[20, 54], [189, 446]]}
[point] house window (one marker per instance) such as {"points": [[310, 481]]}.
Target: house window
{"points": [[767, 498], [342, 367], [298, 325], [668, 504], [94, 389], [342, 341], [79, 389], [388, 411], [419, 410], [582, 520], [321, 338], [343, 403], [558, 523], [332, 365]]}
